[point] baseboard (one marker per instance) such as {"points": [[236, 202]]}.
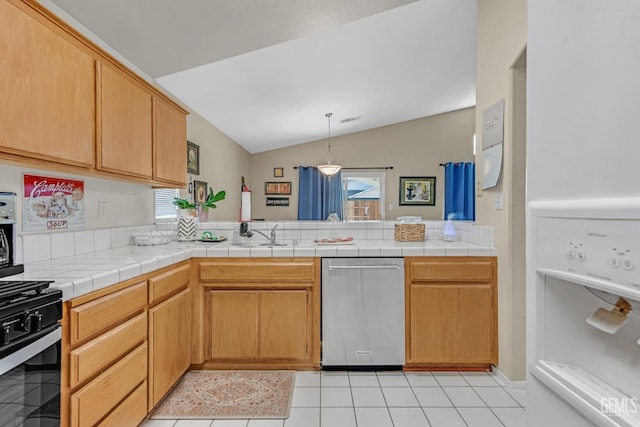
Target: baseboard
{"points": [[506, 381]]}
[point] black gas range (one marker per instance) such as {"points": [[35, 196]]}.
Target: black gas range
{"points": [[28, 310]]}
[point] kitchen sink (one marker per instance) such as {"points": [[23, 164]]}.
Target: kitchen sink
{"points": [[257, 244]]}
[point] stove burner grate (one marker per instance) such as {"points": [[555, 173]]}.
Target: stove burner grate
{"points": [[11, 288]]}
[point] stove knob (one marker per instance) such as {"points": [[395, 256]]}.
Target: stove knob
{"points": [[581, 256], [571, 255], [614, 262], [627, 264], [33, 322]]}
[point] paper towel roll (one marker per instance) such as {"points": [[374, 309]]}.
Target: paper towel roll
{"points": [[245, 211]]}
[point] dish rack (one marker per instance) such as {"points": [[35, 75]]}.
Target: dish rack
{"points": [[409, 232], [152, 238]]}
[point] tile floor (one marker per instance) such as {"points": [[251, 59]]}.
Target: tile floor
{"points": [[390, 399]]}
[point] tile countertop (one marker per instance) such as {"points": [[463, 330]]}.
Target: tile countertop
{"points": [[81, 274]]}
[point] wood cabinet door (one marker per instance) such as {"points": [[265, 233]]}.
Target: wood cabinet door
{"points": [[124, 124], [452, 323], [284, 324], [170, 143], [47, 92], [170, 344], [233, 324]]}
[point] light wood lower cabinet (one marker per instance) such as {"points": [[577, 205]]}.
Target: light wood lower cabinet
{"points": [[260, 313], [259, 324], [451, 312], [124, 347], [170, 337], [104, 345]]}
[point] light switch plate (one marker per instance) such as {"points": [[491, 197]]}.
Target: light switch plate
{"points": [[499, 206]]}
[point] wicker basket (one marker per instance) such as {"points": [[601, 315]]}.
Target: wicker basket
{"points": [[409, 232]]}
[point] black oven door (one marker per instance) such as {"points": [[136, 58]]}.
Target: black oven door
{"points": [[30, 384]]}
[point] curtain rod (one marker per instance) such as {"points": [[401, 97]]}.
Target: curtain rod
{"points": [[362, 167]]}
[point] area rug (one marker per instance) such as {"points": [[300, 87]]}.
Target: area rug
{"points": [[229, 395]]}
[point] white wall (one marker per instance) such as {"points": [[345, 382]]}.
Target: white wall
{"points": [[583, 99], [413, 148], [501, 41], [222, 164], [124, 204]]}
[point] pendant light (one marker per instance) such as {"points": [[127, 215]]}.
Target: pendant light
{"points": [[329, 169]]}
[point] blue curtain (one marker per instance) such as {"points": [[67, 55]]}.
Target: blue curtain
{"points": [[318, 195], [459, 191]]}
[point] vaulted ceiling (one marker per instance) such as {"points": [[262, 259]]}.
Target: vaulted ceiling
{"points": [[266, 72]]}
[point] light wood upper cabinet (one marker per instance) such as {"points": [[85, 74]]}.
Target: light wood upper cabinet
{"points": [[124, 124], [47, 87], [170, 143], [451, 311]]}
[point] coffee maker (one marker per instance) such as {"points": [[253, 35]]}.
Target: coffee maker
{"points": [[8, 235]]}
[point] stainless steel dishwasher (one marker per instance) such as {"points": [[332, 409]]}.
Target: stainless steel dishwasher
{"points": [[362, 312]]}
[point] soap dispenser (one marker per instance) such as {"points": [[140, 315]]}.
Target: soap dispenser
{"points": [[449, 231]]}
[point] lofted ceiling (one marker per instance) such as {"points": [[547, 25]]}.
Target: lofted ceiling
{"points": [[266, 72]]}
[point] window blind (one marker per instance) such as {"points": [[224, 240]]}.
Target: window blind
{"points": [[164, 203]]}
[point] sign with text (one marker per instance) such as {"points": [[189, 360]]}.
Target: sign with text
{"points": [[51, 203]]}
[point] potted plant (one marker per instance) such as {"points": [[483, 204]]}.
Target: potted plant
{"points": [[200, 209], [210, 203], [186, 207]]}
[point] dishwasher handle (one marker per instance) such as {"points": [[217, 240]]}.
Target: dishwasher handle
{"points": [[364, 267]]}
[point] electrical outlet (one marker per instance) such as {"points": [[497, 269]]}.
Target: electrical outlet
{"points": [[101, 209], [499, 206], [390, 207]]}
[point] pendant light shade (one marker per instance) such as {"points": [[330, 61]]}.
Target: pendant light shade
{"points": [[329, 169]]}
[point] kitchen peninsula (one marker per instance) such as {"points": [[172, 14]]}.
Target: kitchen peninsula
{"points": [[137, 317]]}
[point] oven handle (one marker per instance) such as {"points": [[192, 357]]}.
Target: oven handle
{"points": [[20, 356]]}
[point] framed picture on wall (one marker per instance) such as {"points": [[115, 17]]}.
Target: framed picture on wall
{"points": [[275, 188], [199, 191], [193, 158], [278, 172], [418, 190]]}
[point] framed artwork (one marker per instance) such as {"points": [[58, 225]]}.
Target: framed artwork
{"points": [[277, 188], [278, 172], [277, 201], [200, 191], [418, 190], [193, 158]]}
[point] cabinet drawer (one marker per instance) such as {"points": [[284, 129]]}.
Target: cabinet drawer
{"points": [[94, 356], [447, 269], [168, 283], [131, 412], [89, 318], [100, 396], [264, 271]]}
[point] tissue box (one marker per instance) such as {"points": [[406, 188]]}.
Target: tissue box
{"points": [[409, 232]]}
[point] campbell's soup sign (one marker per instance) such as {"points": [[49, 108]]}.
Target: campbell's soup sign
{"points": [[52, 203]]}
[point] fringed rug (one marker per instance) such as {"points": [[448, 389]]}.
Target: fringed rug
{"points": [[229, 395]]}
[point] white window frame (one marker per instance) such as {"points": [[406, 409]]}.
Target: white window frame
{"points": [[380, 175], [164, 209]]}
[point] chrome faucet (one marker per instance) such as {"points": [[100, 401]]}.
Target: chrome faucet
{"points": [[271, 239]]}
